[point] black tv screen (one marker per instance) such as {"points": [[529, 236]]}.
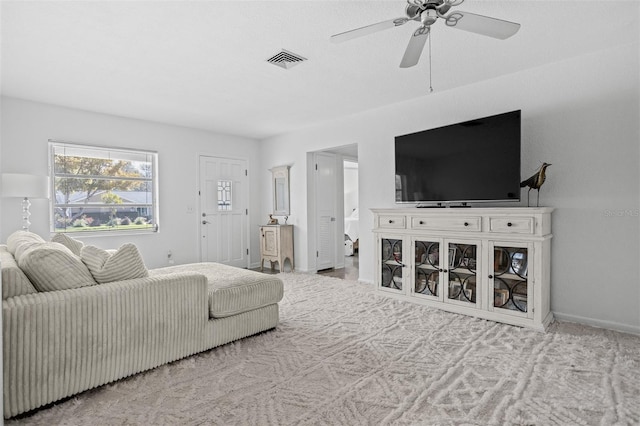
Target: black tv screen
{"points": [[477, 160]]}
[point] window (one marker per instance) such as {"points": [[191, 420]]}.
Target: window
{"points": [[98, 189], [224, 195]]}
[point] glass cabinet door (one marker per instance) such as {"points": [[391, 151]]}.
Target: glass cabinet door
{"points": [[427, 269], [462, 262], [391, 254], [510, 279]]}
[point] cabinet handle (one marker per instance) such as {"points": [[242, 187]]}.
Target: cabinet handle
{"points": [[445, 271], [390, 221], [440, 270], [421, 223], [466, 224], [509, 224], [490, 277]]}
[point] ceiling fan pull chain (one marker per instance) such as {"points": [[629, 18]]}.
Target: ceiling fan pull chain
{"points": [[430, 86]]}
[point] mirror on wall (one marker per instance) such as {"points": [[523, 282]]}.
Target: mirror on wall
{"points": [[280, 177]]}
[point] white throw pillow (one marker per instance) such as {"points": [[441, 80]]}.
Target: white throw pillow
{"points": [[14, 281], [52, 266], [71, 243], [19, 238], [106, 266]]}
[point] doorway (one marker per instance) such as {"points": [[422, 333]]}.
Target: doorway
{"points": [[351, 210], [223, 210]]}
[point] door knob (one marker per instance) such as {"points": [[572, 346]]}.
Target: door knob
{"points": [[205, 222], [204, 215]]}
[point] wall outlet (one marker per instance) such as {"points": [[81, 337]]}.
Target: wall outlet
{"points": [[170, 257], [190, 210]]}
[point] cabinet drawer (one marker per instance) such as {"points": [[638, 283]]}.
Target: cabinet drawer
{"points": [[471, 223], [512, 225], [392, 222]]}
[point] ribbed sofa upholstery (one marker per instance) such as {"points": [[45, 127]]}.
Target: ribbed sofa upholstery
{"points": [[59, 343], [231, 291]]}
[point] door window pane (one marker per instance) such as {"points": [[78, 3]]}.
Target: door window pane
{"points": [[224, 195]]}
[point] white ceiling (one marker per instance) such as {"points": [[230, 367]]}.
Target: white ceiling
{"points": [[202, 64]]}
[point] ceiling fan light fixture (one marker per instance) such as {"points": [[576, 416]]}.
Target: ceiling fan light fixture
{"points": [[412, 11], [428, 17]]}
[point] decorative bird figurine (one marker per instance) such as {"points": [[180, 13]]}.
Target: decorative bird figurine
{"points": [[535, 182]]}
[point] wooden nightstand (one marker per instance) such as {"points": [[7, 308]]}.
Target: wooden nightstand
{"points": [[276, 245]]}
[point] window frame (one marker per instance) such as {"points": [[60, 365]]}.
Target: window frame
{"points": [[117, 153]]}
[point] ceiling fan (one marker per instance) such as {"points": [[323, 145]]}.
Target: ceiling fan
{"points": [[427, 13]]}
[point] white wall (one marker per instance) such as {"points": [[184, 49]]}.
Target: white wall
{"points": [[580, 114], [27, 126]]}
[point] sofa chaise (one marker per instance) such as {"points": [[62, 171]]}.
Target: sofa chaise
{"points": [[76, 317]]}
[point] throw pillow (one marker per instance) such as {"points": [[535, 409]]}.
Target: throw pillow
{"points": [[20, 237], [124, 264], [71, 243], [52, 266], [14, 281]]}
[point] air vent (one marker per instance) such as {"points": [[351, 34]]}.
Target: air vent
{"points": [[286, 59]]}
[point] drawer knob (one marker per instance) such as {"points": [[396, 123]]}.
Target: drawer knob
{"points": [[390, 221], [509, 224], [490, 277], [466, 224], [421, 222]]}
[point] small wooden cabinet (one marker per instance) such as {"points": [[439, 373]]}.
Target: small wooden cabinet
{"points": [[493, 263], [276, 245]]}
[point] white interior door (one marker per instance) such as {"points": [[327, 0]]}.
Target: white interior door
{"points": [[223, 211], [325, 210]]}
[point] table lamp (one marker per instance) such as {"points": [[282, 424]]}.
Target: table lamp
{"points": [[18, 185]]}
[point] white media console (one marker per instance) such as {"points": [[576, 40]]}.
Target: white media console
{"points": [[492, 263]]}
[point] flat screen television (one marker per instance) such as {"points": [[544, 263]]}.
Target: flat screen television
{"points": [[473, 161]]}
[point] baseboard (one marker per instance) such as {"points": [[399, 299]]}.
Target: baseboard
{"points": [[610, 325]]}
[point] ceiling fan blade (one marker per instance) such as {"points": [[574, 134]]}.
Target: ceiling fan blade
{"points": [[479, 24], [415, 47], [369, 29]]}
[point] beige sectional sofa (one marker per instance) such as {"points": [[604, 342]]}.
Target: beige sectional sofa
{"points": [[59, 342]]}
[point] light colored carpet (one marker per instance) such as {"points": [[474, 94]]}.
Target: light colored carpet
{"points": [[343, 355]]}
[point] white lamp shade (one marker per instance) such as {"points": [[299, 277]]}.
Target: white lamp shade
{"points": [[23, 185]]}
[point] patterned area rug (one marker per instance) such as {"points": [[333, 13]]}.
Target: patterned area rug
{"points": [[343, 355]]}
